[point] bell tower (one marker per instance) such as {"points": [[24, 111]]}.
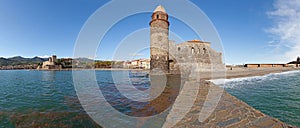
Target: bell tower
{"points": [[159, 40]]}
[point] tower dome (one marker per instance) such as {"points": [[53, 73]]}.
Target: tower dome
{"points": [[160, 9]]}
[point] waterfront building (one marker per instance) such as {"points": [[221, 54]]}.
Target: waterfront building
{"points": [[169, 57], [50, 64]]}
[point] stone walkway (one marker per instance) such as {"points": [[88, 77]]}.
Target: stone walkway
{"points": [[229, 112]]}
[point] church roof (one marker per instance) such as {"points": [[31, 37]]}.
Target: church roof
{"points": [[160, 9], [197, 41]]}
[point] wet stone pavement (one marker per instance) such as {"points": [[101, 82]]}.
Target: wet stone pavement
{"points": [[229, 112]]}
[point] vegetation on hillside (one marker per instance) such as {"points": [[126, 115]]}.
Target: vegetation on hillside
{"points": [[18, 62], [21, 61]]}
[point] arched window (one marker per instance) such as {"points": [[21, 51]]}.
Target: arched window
{"points": [[193, 50], [157, 16], [204, 49]]}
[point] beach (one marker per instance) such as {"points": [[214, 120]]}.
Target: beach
{"points": [[243, 72]]}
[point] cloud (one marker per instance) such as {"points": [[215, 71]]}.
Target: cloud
{"points": [[134, 55], [45, 56], [286, 27]]}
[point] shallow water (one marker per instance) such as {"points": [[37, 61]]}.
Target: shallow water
{"points": [[277, 95], [48, 98]]}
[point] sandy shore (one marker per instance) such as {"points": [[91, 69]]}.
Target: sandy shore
{"points": [[246, 72], [243, 72], [234, 73]]}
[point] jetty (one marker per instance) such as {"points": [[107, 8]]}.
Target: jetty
{"points": [[228, 112]]}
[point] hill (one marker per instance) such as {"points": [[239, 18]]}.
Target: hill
{"points": [[18, 60]]}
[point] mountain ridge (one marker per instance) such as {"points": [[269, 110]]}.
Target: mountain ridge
{"points": [[19, 60]]}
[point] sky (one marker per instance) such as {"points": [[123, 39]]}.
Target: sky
{"points": [[252, 31]]}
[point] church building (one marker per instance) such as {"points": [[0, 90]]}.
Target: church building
{"points": [[169, 57]]}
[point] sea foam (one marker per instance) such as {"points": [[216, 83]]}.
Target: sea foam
{"points": [[230, 83]]}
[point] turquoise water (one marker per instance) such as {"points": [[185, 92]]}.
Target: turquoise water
{"points": [[40, 99], [277, 95], [48, 98]]}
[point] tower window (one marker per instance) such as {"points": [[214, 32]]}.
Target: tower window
{"points": [[157, 16], [193, 50]]}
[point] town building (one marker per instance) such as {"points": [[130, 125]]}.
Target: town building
{"points": [[138, 64], [266, 65], [290, 64]]}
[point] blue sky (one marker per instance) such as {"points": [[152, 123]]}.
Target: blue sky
{"points": [[249, 29]]}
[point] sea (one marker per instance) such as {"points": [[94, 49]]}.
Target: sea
{"points": [[276, 94], [30, 98]]}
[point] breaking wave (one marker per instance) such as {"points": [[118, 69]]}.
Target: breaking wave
{"points": [[231, 83]]}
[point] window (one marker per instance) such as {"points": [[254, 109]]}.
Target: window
{"points": [[178, 48], [193, 50], [204, 49], [157, 16]]}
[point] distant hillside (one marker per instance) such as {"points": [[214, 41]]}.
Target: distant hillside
{"points": [[18, 60], [293, 62]]}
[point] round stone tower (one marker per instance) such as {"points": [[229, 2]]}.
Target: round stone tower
{"points": [[159, 40]]}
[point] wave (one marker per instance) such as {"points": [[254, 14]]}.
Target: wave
{"points": [[285, 73], [230, 83]]}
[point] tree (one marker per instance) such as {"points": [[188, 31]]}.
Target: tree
{"points": [[298, 61]]}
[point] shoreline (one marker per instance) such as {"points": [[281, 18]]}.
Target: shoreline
{"points": [[243, 72], [215, 81], [229, 112], [255, 72], [204, 76], [96, 69]]}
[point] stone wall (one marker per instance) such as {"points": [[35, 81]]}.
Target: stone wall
{"points": [[196, 52], [159, 42], [194, 56]]}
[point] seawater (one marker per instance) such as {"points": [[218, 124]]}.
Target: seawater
{"points": [[277, 95], [48, 98]]}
